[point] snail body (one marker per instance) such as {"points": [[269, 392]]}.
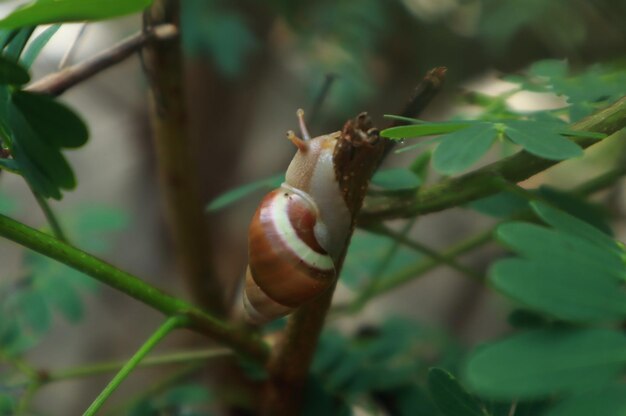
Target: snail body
{"points": [[297, 233]]}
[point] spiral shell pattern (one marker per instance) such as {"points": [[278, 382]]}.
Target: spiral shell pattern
{"points": [[287, 265]]}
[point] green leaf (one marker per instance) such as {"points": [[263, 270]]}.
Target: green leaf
{"points": [[12, 73], [577, 206], [34, 175], [396, 179], [61, 295], [560, 289], [59, 11], [34, 311], [426, 129], [9, 164], [7, 405], [51, 120], [45, 156], [540, 243], [450, 397], [18, 42], [542, 139], [36, 46], [610, 401], [318, 401], [184, 395], [544, 362], [461, 149], [234, 195], [572, 225], [549, 68], [419, 166], [500, 205], [7, 204]]}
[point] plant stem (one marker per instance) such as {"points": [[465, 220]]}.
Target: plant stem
{"points": [[53, 222], [479, 183], [421, 267], [241, 341], [290, 360], [168, 326], [163, 65], [59, 82], [107, 367]]}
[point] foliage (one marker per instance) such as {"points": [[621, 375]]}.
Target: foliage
{"points": [[563, 275]]}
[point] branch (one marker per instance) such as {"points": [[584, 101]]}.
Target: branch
{"points": [[59, 82], [480, 183], [162, 331], [423, 266], [290, 360], [199, 321], [163, 65]]}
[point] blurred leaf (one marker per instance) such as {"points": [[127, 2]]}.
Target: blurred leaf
{"points": [[419, 166], [185, 394], [210, 29], [7, 405], [12, 73], [561, 289], [46, 157], [33, 310], [461, 149], [542, 244], [610, 401], [450, 396], [58, 11], [61, 295], [378, 359], [396, 179], [500, 205], [9, 164], [526, 319], [406, 400], [543, 362], [234, 195], [425, 129], [570, 224], [577, 206], [17, 43], [366, 251], [542, 139], [51, 120], [317, 401], [36, 46], [549, 68], [7, 204]]}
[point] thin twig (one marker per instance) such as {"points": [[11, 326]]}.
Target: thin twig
{"points": [[291, 358], [53, 222], [329, 79], [479, 183], [69, 53], [200, 321], [59, 82], [165, 329]]}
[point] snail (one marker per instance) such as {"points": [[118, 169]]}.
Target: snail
{"points": [[300, 231]]}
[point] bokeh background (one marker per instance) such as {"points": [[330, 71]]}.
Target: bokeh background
{"points": [[249, 66]]}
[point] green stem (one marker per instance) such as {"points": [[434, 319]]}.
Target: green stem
{"points": [[108, 367], [421, 267], [479, 183], [200, 321], [53, 222], [168, 326]]}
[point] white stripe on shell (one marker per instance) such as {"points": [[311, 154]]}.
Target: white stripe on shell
{"points": [[289, 236]]}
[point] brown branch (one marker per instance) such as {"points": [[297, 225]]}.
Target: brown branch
{"points": [[487, 180], [163, 64], [59, 82], [290, 360]]}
